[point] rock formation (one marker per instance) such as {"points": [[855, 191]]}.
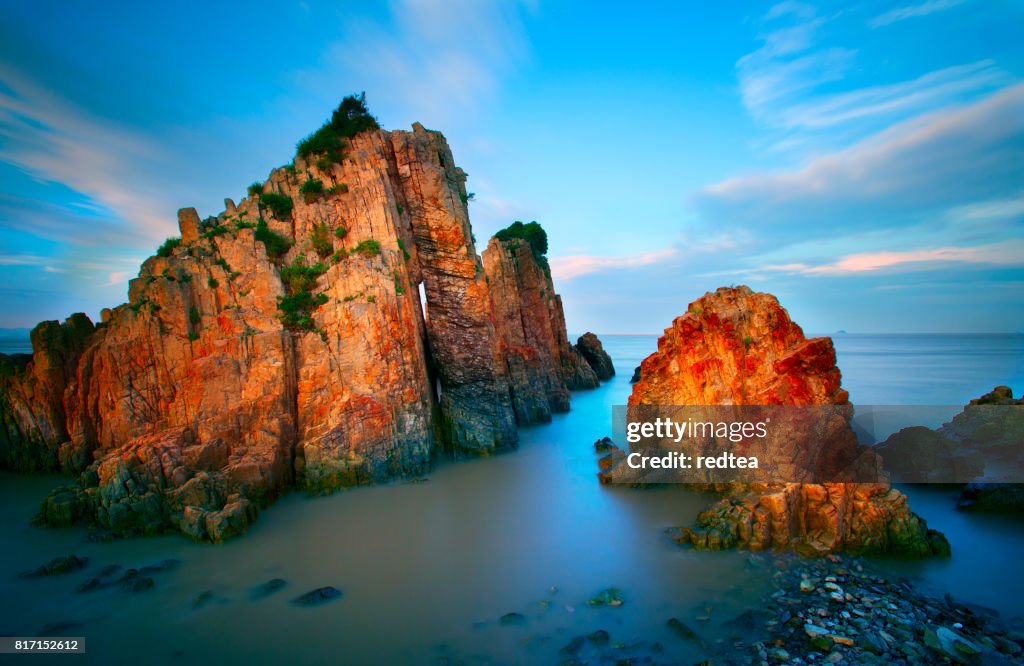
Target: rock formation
{"points": [[592, 350], [542, 365], [738, 347], [992, 428], [284, 342], [920, 455]]}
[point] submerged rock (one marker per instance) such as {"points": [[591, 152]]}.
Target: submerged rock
{"points": [[610, 597], [573, 646], [317, 597], [138, 584], [268, 588], [58, 565], [680, 629], [202, 599], [512, 619]]}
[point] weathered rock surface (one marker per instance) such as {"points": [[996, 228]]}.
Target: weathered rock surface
{"points": [[592, 350], [992, 428], [738, 347], [921, 455], [992, 425], [284, 342], [542, 365]]}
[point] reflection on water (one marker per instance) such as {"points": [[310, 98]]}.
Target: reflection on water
{"points": [[427, 569]]}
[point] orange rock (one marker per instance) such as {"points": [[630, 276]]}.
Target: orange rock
{"points": [[738, 347], [198, 400]]}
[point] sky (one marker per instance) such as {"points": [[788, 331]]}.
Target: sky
{"points": [[862, 162]]}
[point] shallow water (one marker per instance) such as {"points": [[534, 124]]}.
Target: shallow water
{"points": [[427, 569]]}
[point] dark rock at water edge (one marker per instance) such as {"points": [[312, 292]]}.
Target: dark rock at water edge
{"points": [[317, 597], [994, 497], [636, 375], [593, 351], [58, 565], [922, 455]]}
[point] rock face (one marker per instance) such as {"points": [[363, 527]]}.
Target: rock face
{"points": [[284, 342], [738, 347], [542, 365], [592, 350], [992, 428], [921, 455]]}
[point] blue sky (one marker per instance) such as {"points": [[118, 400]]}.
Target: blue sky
{"points": [[865, 162]]}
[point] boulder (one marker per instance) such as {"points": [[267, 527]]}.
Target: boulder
{"points": [[189, 224], [592, 350]]}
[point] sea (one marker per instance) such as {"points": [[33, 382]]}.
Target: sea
{"points": [[427, 570]]}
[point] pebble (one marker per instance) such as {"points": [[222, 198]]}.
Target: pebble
{"points": [[880, 621]]}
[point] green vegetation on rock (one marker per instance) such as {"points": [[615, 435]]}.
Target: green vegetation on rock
{"points": [[279, 204], [367, 248], [322, 240], [350, 118], [168, 246], [312, 189], [533, 234], [298, 306], [276, 244]]}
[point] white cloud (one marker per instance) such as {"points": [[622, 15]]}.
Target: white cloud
{"points": [[1009, 253], [912, 11], [573, 266], [929, 91], [995, 209], [116, 278], [793, 85], [50, 138], [22, 260], [945, 159]]}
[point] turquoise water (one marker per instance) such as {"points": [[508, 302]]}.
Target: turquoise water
{"points": [[427, 569]]}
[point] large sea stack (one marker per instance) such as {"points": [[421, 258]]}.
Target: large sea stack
{"points": [[738, 347], [284, 342]]}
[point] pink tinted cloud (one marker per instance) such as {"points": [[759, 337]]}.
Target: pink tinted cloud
{"points": [[574, 266]]}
